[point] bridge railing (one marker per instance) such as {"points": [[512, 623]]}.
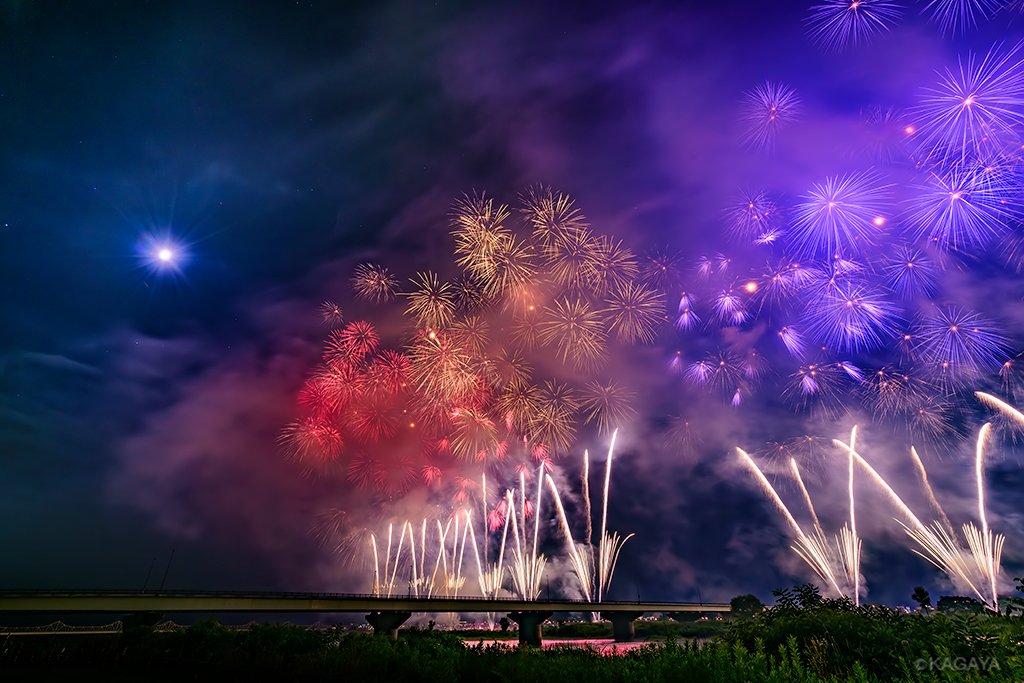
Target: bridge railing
{"points": [[314, 596]]}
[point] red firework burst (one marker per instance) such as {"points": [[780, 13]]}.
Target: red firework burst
{"points": [[311, 438]]}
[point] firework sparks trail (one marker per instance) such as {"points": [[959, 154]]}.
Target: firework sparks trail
{"points": [[985, 542], [929, 492], [1002, 406], [978, 564], [581, 568], [585, 482], [852, 542], [795, 469], [811, 549]]}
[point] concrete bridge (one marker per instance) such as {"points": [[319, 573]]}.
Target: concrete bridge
{"points": [[385, 615]]}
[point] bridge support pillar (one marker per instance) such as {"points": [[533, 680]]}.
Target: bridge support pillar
{"points": [[622, 625], [144, 621], [529, 626], [387, 622]]}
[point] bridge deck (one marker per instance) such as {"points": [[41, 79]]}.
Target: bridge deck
{"points": [[182, 601]]}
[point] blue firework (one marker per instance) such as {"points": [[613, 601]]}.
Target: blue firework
{"points": [[835, 24], [753, 217], [962, 208], [957, 16], [957, 345], [766, 109], [911, 273], [974, 110], [841, 215], [852, 316]]}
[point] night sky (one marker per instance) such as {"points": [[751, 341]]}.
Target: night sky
{"points": [[276, 146]]}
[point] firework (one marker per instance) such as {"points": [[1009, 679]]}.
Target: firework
{"points": [[806, 452], [475, 436], [366, 471], [351, 343], [753, 216], [852, 316], [517, 405], [729, 307], [836, 24], [430, 301], [719, 370], [472, 334], [1002, 406], [606, 404], [389, 373], [330, 313], [932, 418], [956, 16], [443, 369], [812, 549], [512, 273], [552, 428], [959, 209], [885, 133], [593, 573], [311, 438], [910, 273], [374, 283], [469, 294], [576, 330], [615, 267], [957, 344], [550, 214], [818, 385], [976, 567], [634, 313], [974, 110], [893, 391], [683, 434], [793, 340], [839, 215], [778, 285], [478, 227], [766, 109], [661, 271], [572, 259]]}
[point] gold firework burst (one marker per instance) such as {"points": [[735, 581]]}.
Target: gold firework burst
{"points": [[431, 301], [550, 214], [552, 424], [526, 329], [510, 368], [475, 435], [614, 264], [575, 329], [478, 227], [635, 312], [442, 370], [571, 259], [513, 267], [517, 404], [472, 334], [607, 404]]}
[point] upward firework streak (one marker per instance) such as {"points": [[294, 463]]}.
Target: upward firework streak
{"points": [[972, 564], [593, 573], [811, 548], [975, 568]]}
